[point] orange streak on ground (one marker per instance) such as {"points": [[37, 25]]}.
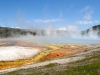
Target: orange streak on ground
{"points": [[57, 54]]}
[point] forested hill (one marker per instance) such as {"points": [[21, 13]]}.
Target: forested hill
{"points": [[11, 32], [95, 30], [14, 32]]}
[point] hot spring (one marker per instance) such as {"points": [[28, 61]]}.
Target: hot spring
{"points": [[11, 53]]}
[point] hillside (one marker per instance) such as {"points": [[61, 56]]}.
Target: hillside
{"points": [[14, 32], [95, 30], [11, 32]]}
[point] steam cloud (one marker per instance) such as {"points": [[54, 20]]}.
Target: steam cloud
{"points": [[49, 34], [70, 35]]}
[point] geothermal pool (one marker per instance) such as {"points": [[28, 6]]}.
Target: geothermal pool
{"points": [[11, 53]]}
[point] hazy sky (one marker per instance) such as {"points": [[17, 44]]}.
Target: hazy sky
{"points": [[41, 13]]}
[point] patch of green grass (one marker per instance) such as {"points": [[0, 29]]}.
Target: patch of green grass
{"points": [[87, 59], [86, 50], [98, 47], [91, 69], [92, 57], [11, 73], [50, 65], [36, 73], [46, 74]]}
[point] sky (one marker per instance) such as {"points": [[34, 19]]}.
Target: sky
{"points": [[55, 13]]}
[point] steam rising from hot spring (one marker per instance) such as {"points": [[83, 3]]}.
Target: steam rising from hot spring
{"points": [[70, 35], [14, 52]]}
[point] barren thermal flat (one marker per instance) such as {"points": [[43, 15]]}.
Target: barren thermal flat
{"points": [[22, 53], [12, 53]]}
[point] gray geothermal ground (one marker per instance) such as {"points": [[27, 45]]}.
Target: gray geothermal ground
{"points": [[58, 60]]}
